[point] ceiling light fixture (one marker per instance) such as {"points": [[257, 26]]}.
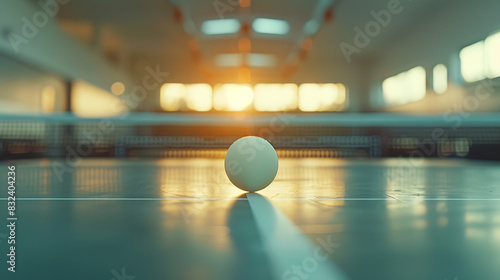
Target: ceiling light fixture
{"points": [[270, 26], [220, 26]]}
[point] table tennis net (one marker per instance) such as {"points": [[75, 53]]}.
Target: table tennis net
{"points": [[93, 138]]}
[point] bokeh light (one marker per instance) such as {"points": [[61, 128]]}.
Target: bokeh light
{"points": [[275, 97], [321, 97], [48, 99], [199, 97], [440, 78], [232, 97], [405, 87], [118, 88], [172, 96], [473, 62]]}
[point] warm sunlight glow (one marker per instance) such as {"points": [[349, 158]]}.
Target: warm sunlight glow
{"points": [[321, 97], [275, 97], [244, 75], [232, 97], [199, 97], [180, 97], [93, 102], [171, 96], [48, 100], [262, 97]]}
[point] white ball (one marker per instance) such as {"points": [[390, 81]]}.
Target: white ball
{"points": [[251, 163]]}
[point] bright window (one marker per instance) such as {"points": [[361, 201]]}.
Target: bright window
{"points": [[90, 101], [199, 97], [275, 97], [176, 97], [171, 96], [440, 78], [391, 88], [405, 87], [232, 97], [416, 80], [472, 60], [180, 97], [492, 45], [321, 97]]}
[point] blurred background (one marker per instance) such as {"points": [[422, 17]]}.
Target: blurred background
{"points": [[233, 62], [252, 56]]}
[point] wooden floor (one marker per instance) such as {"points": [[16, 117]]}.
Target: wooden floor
{"points": [[320, 219]]}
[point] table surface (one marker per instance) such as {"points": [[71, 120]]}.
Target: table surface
{"points": [[320, 219]]}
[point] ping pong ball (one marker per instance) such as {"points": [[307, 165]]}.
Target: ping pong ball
{"points": [[251, 163]]}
